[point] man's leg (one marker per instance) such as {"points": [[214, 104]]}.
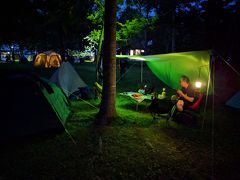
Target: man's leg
{"points": [[180, 105]]}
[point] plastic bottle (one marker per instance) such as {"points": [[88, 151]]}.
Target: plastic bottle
{"points": [[164, 92]]}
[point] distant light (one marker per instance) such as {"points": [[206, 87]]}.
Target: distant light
{"points": [[131, 52], [198, 84], [138, 58], [137, 51]]}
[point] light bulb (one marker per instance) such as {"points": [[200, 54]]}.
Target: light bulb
{"points": [[198, 84]]}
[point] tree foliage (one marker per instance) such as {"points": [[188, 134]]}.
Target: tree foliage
{"points": [[189, 24]]}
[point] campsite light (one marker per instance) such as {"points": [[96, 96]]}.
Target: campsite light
{"points": [[198, 84]]}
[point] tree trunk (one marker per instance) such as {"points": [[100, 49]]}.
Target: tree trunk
{"points": [[107, 110], [99, 56]]}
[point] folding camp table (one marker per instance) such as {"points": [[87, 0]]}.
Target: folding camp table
{"points": [[138, 99]]}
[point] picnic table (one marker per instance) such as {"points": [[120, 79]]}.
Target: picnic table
{"points": [[137, 97]]}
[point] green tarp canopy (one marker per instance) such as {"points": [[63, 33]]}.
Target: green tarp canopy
{"points": [[169, 67]]}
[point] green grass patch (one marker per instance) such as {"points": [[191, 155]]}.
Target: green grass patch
{"points": [[131, 147]]}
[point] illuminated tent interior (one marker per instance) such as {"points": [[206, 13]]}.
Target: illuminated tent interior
{"points": [[48, 59], [36, 106]]}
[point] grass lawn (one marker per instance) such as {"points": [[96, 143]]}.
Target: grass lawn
{"points": [[132, 147]]}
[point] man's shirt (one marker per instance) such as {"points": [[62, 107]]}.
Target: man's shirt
{"points": [[189, 91]]}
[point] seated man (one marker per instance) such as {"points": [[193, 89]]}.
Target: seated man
{"points": [[186, 94]]}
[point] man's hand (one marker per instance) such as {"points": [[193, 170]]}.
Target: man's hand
{"points": [[180, 93]]}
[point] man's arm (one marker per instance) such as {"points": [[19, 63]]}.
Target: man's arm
{"points": [[188, 98]]}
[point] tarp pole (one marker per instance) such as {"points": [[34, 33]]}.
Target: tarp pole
{"points": [[213, 117], [141, 71], [206, 101], [208, 86]]}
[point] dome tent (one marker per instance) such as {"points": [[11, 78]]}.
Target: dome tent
{"points": [[30, 105], [48, 59], [68, 79]]}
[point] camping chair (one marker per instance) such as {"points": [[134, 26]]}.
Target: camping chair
{"points": [[196, 105], [191, 114], [97, 90]]}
